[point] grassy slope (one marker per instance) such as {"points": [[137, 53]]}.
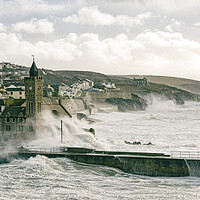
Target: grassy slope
{"points": [[182, 83], [124, 83], [66, 77], [162, 84]]}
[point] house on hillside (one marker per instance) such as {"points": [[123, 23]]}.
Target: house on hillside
{"points": [[87, 83], [140, 81], [109, 85], [15, 93]]}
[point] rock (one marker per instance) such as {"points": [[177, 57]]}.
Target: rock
{"points": [[136, 103], [91, 130], [149, 143]]}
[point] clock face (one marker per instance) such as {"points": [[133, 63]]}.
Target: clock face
{"points": [[30, 88]]}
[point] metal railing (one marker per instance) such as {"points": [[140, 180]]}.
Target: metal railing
{"points": [[41, 150], [185, 154], [8, 150]]}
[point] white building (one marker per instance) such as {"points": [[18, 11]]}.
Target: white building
{"points": [[109, 85]]}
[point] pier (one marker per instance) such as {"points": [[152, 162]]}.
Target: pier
{"points": [[140, 163]]}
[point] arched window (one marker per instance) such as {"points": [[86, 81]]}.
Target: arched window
{"points": [[8, 115]]}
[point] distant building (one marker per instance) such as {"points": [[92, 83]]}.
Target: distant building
{"points": [[15, 93], [88, 83], [3, 93], [48, 91], [140, 81], [109, 85]]}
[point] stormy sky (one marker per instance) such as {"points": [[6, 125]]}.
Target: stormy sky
{"points": [[158, 37]]}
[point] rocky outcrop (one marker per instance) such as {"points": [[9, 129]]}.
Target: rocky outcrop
{"points": [[133, 104]]}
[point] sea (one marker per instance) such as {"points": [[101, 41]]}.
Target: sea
{"points": [[168, 127]]}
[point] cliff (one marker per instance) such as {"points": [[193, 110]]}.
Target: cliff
{"points": [[133, 104], [165, 92]]}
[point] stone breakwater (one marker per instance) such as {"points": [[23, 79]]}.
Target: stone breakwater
{"points": [[150, 164]]}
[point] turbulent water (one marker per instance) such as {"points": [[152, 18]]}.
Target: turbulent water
{"points": [[167, 126]]}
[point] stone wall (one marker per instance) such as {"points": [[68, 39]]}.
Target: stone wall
{"points": [[74, 106], [100, 97], [140, 165]]}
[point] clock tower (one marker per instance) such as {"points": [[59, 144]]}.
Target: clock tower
{"points": [[33, 94]]}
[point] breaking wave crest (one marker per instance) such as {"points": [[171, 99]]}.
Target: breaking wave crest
{"points": [[74, 133]]}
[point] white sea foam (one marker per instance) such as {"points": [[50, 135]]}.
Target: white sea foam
{"points": [[175, 128], [168, 127], [73, 133]]}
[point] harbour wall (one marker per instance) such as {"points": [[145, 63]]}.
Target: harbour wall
{"points": [[134, 164], [100, 97], [92, 102], [150, 166], [75, 106]]}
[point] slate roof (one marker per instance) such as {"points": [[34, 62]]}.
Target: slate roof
{"points": [[14, 89], [14, 111], [18, 102]]}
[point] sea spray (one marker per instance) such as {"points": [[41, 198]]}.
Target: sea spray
{"points": [[7, 154], [73, 133], [157, 103], [40, 164], [173, 131]]}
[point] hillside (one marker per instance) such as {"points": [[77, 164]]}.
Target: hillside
{"points": [[177, 89], [68, 77], [182, 83]]}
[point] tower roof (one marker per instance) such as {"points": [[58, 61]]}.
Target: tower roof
{"points": [[34, 70]]}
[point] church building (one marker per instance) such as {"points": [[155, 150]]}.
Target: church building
{"points": [[23, 121]]}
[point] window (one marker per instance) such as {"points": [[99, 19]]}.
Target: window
{"points": [[11, 93], [29, 107], [14, 120], [32, 108], [20, 93], [20, 128], [7, 127], [8, 119], [30, 128], [39, 107], [20, 119]]}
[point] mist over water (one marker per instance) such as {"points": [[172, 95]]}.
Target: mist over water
{"points": [[168, 126]]}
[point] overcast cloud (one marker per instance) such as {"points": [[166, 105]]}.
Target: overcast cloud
{"points": [[112, 37]]}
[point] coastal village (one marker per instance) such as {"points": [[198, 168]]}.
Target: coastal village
{"points": [[24, 96]]}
